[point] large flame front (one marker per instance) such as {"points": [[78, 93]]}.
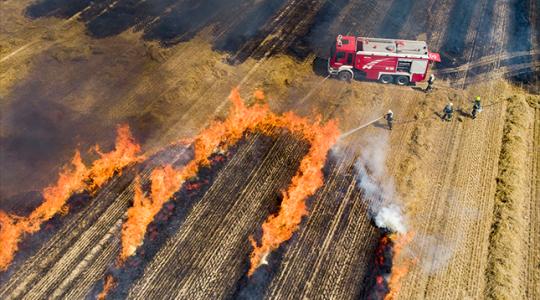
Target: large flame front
{"points": [[309, 177], [166, 181], [221, 135], [72, 179]]}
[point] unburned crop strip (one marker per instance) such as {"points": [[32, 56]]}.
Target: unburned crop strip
{"points": [[506, 248]]}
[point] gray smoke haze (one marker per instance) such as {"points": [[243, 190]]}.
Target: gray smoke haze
{"points": [[434, 251], [378, 187]]}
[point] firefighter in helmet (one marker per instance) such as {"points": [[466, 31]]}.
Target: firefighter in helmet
{"points": [[430, 82], [477, 107], [448, 111], [389, 117]]}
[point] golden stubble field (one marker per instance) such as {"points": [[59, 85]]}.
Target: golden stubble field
{"points": [[470, 188]]}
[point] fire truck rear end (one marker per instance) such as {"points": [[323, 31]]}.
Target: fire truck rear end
{"points": [[386, 60]]}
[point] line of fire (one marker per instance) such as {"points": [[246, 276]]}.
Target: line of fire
{"points": [[162, 194]]}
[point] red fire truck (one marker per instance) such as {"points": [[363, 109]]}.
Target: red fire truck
{"points": [[386, 60]]}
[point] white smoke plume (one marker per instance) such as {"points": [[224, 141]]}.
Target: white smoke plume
{"points": [[378, 187], [390, 217]]}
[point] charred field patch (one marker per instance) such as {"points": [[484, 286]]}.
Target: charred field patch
{"points": [[243, 28]]}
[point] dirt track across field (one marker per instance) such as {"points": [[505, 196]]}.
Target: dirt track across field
{"points": [[72, 72]]}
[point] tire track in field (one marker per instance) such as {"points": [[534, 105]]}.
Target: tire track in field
{"points": [[395, 18], [457, 37], [364, 21], [515, 58], [436, 164], [481, 30], [489, 60], [433, 208]]}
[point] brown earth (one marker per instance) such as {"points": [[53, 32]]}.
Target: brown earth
{"points": [[62, 89]]}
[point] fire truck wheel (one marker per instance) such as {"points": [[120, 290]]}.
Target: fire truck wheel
{"points": [[345, 76], [386, 79], [402, 80]]}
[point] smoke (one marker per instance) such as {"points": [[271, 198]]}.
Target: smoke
{"points": [[378, 187], [390, 217], [434, 250]]}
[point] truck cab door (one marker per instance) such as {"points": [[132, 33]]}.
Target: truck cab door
{"points": [[349, 59], [340, 58]]}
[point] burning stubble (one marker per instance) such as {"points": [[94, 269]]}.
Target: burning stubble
{"points": [[380, 194], [74, 178], [220, 136], [166, 180]]}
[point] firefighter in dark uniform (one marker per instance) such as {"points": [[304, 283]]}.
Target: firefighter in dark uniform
{"points": [[448, 111], [389, 117], [430, 82], [477, 107]]}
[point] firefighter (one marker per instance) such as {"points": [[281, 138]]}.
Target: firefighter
{"points": [[430, 82], [448, 111], [389, 118], [477, 107]]}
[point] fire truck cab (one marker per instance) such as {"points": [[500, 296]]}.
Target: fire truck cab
{"points": [[386, 60]]}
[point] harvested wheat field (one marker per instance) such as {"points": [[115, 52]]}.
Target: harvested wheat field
{"points": [[187, 149]]}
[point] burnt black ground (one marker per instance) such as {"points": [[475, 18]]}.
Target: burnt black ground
{"points": [[304, 28], [240, 25]]}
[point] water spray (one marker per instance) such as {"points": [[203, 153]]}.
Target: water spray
{"points": [[358, 128]]}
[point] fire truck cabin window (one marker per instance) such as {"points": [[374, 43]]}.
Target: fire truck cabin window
{"points": [[340, 55]]}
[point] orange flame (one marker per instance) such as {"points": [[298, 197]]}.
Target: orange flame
{"points": [[400, 267], [72, 179], [221, 135], [109, 284], [280, 227], [166, 181], [126, 152]]}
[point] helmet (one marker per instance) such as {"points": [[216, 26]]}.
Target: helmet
{"points": [[450, 103], [477, 98], [390, 112]]}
